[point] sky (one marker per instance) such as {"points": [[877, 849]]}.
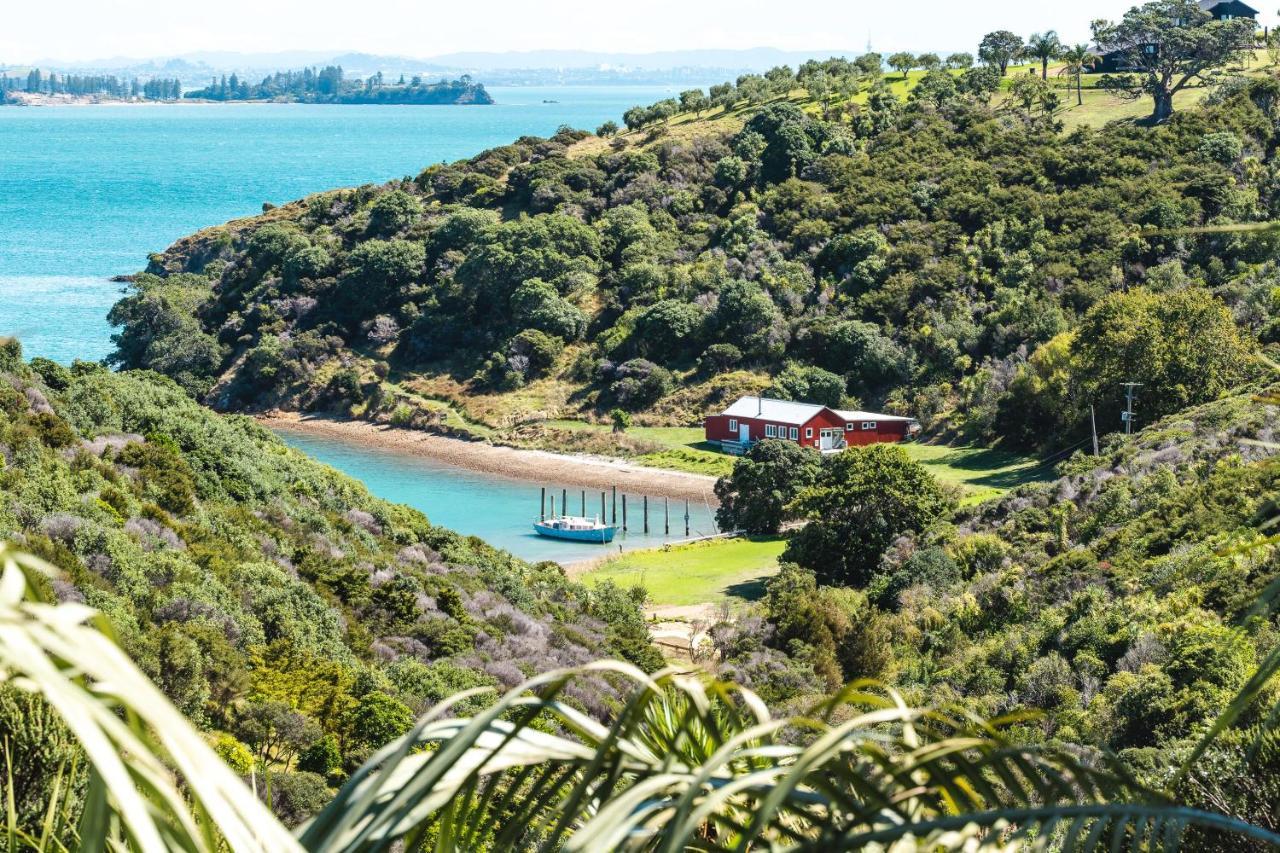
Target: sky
{"points": [[83, 30]]}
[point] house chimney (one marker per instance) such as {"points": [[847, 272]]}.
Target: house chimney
{"points": [[759, 405]]}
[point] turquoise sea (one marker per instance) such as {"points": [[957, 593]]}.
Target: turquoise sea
{"points": [[500, 510], [87, 192]]}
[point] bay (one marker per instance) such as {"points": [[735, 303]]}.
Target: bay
{"points": [[500, 510], [87, 192]]}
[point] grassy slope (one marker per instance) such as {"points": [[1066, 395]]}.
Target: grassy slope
{"points": [[698, 573]]}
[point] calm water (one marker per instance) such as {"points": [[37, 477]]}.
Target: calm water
{"points": [[88, 192], [497, 509]]}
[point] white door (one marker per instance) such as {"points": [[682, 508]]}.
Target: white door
{"points": [[828, 440], [744, 433]]}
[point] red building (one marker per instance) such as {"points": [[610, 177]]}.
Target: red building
{"points": [[753, 419]]}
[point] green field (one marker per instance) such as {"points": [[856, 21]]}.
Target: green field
{"points": [[982, 472], [697, 573]]}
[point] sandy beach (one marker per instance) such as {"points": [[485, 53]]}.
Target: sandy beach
{"points": [[531, 465]]}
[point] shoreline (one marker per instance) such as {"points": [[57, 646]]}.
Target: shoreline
{"points": [[537, 466]]}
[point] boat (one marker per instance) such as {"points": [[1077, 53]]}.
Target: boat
{"points": [[574, 528]]}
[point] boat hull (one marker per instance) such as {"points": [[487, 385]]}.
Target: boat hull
{"points": [[596, 536]]}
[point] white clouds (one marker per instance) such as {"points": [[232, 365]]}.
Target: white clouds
{"points": [[86, 29]]}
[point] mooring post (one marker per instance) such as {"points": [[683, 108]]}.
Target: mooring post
{"points": [[686, 518], [564, 501], [584, 503], [602, 515], [615, 505], [646, 515], [666, 516], [542, 505], [624, 513], [553, 506]]}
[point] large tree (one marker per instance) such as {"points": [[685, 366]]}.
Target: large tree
{"points": [[1184, 347], [755, 496], [1000, 48], [862, 500], [1172, 43]]}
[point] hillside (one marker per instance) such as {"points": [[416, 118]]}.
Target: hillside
{"points": [[273, 600], [1127, 600], [932, 256]]}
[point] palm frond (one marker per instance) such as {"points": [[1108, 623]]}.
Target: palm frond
{"points": [[137, 744], [691, 765]]}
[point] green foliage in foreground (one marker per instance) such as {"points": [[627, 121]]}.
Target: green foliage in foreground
{"points": [[684, 763]]}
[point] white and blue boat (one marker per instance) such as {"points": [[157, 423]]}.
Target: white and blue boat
{"points": [[576, 529]]}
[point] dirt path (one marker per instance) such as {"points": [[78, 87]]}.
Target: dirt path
{"points": [[532, 465]]}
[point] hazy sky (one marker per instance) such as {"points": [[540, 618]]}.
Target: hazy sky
{"points": [[92, 29]]}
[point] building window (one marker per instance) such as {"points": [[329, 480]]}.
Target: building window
{"points": [[769, 431], [733, 424], [795, 433], [848, 427], [868, 424], [808, 432]]}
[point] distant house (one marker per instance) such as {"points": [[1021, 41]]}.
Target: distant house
{"points": [[753, 419], [1120, 61]]}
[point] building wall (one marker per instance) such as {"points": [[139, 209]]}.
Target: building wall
{"points": [[810, 434]]}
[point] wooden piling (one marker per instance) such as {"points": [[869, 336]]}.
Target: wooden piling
{"points": [[564, 501], [686, 518], [584, 503], [646, 515], [624, 513], [553, 505], [542, 505], [602, 515], [615, 505]]}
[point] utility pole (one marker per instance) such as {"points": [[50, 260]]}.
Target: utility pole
{"points": [[1093, 422], [1127, 415]]}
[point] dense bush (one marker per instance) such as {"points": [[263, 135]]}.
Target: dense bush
{"points": [[915, 256], [270, 598]]}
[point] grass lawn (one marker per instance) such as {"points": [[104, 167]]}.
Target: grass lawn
{"points": [[701, 572], [984, 473], [683, 448]]}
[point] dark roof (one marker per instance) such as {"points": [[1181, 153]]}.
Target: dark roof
{"points": [[1210, 5]]}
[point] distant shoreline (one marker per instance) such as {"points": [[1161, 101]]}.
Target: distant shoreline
{"points": [[531, 465], [45, 101]]}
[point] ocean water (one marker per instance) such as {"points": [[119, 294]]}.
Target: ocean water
{"points": [[499, 510], [88, 192]]}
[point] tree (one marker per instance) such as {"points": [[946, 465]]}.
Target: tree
{"points": [[755, 496], [1173, 43], [1044, 47], [929, 61], [1028, 89], [1000, 48], [608, 129], [1184, 347], [621, 420], [861, 501], [376, 720], [1076, 59], [960, 61], [902, 63], [694, 101]]}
